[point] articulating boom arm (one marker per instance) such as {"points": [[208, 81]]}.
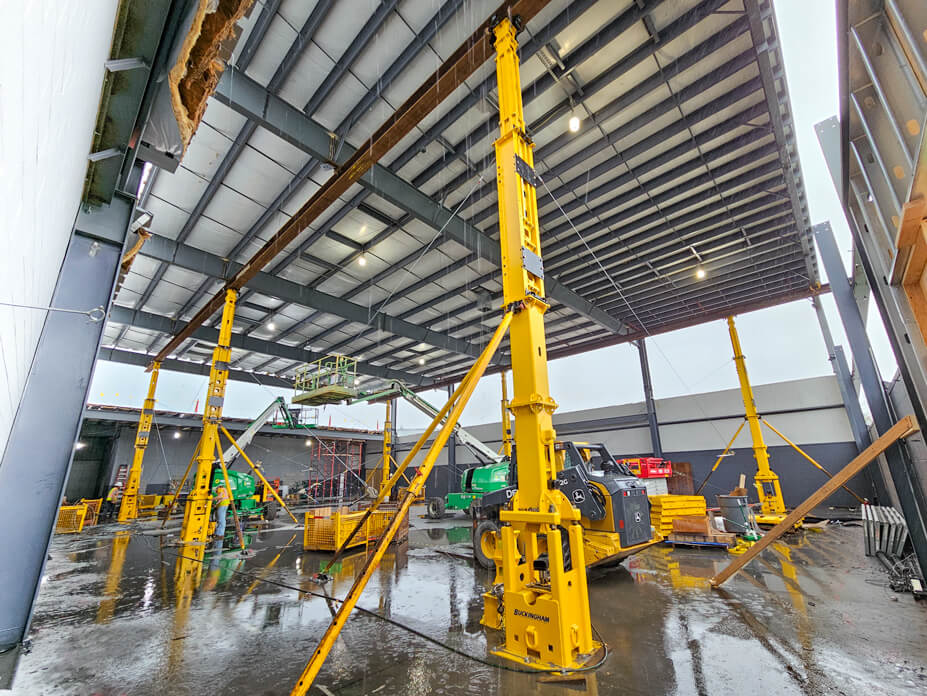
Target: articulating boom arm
{"points": [[231, 453], [481, 451]]}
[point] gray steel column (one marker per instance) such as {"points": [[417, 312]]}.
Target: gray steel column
{"points": [[453, 478], [655, 443], [910, 493], [35, 464], [838, 361]]}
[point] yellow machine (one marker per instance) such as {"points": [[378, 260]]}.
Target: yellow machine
{"points": [[772, 506], [542, 603], [128, 508], [612, 502]]}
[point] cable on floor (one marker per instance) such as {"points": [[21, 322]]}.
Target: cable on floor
{"points": [[420, 634]]}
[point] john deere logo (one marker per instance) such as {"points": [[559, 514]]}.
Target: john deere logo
{"points": [[578, 496]]}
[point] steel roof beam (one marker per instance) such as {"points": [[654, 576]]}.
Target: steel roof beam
{"points": [[605, 341], [790, 163], [247, 97], [167, 325], [198, 261], [617, 26]]}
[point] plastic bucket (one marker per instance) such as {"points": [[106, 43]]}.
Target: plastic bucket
{"points": [[735, 513]]}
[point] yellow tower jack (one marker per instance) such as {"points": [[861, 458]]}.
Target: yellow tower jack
{"points": [[387, 449], [199, 502], [128, 508], [772, 506], [543, 602], [543, 605]]}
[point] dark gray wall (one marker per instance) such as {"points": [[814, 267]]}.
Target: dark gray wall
{"points": [[283, 456]]}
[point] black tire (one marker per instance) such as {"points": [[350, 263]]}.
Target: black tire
{"points": [[435, 508], [485, 537], [271, 510]]}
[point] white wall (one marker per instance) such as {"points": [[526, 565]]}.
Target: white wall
{"points": [[51, 71]]}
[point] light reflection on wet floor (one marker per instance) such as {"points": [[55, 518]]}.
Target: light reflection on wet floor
{"points": [[124, 615]]}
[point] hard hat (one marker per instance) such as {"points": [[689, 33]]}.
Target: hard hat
{"points": [[118, 484]]}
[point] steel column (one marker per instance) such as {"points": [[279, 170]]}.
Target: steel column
{"points": [[655, 443], [37, 459], [904, 476]]}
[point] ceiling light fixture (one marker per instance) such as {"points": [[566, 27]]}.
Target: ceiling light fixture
{"points": [[176, 434], [271, 326], [362, 261], [421, 361], [308, 442], [574, 124], [699, 272]]}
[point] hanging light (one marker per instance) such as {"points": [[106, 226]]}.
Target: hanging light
{"points": [[308, 442], [271, 326], [699, 272], [79, 445], [177, 434], [421, 361], [574, 124], [362, 261]]}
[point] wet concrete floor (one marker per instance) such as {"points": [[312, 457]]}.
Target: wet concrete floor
{"points": [[121, 614]]}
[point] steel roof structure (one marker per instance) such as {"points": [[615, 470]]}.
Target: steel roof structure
{"points": [[685, 158]]}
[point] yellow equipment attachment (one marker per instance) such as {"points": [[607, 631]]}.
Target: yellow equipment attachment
{"points": [[772, 505], [542, 606]]}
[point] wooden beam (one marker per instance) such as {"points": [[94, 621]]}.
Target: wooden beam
{"points": [[906, 426], [475, 51]]}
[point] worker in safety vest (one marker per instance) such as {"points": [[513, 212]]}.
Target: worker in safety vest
{"points": [[220, 503], [109, 505]]}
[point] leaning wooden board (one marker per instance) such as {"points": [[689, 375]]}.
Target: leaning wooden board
{"points": [[906, 426]]}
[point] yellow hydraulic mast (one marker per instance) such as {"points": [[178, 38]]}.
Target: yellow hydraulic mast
{"points": [[544, 606], [199, 502], [506, 419], [772, 506], [387, 449], [128, 508]]}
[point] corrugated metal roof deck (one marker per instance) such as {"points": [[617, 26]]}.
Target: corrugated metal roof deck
{"points": [[685, 157]]}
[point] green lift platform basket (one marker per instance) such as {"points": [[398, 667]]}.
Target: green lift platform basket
{"points": [[330, 380]]}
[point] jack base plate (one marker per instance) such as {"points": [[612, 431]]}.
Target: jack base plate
{"points": [[580, 662]]}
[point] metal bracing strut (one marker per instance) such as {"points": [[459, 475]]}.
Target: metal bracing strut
{"points": [[544, 605], [481, 451], [128, 508], [772, 505], [454, 407], [199, 502]]}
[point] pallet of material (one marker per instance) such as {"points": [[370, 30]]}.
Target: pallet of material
{"points": [[665, 508], [719, 539]]}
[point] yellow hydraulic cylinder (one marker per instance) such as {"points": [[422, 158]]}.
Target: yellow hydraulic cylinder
{"points": [[128, 508], [772, 505], [544, 606], [199, 502], [506, 419]]}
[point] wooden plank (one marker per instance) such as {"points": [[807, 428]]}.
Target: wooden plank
{"points": [[902, 428], [906, 242]]}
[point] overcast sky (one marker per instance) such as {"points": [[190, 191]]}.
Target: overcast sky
{"points": [[780, 343]]}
